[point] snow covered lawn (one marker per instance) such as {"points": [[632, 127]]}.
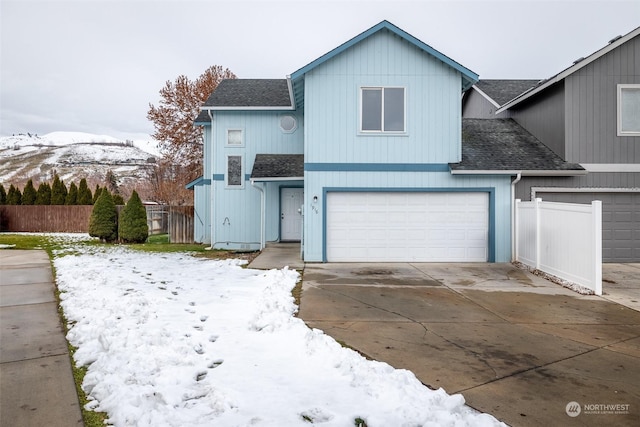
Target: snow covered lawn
{"points": [[174, 340]]}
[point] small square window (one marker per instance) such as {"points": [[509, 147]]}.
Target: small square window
{"points": [[234, 137], [629, 110], [234, 171]]}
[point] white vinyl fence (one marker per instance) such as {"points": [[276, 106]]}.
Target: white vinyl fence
{"points": [[562, 239]]}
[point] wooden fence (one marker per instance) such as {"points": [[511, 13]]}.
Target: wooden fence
{"points": [[175, 220], [181, 224], [44, 218]]}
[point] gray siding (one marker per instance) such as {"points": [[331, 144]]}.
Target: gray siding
{"points": [[591, 108], [543, 116]]}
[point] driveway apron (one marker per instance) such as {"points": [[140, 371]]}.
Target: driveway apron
{"points": [[514, 344]]}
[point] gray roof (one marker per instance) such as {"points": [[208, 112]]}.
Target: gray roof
{"points": [[250, 93], [503, 145], [278, 166], [503, 91]]}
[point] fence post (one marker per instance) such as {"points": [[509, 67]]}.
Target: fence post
{"points": [[536, 206], [516, 231], [596, 215]]}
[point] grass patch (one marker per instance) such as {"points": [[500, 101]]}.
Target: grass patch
{"points": [[34, 241]]}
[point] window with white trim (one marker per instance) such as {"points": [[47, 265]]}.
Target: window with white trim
{"points": [[235, 172], [382, 110], [629, 110], [234, 137]]}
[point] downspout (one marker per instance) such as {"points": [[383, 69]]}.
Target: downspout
{"points": [[513, 215], [262, 213], [212, 187]]}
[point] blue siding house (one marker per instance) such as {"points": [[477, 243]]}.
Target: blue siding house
{"points": [[360, 155]]}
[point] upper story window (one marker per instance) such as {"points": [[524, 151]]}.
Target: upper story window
{"points": [[629, 110], [382, 109], [235, 137], [234, 178]]}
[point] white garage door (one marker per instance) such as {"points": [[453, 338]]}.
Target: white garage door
{"points": [[403, 227]]}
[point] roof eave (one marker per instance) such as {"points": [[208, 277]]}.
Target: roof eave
{"points": [[278, 178], [467, 74], [485, 96], [521, 172], [247, 108], [575, 67]]}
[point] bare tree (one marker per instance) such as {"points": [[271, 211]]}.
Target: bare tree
{"points": [[180, 142]]}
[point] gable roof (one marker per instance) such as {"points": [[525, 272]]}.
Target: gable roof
{"points": [[273, 167], [499, 92], [243, 94], [468, 76], [577, 65], [503, 146]]}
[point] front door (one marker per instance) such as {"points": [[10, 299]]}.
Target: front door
{"points": [[291, 200]]}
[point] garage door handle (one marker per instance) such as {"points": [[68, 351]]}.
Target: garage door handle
{"points": [[282, 215]]}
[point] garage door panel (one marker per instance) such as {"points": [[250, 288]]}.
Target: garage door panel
{"points": [[396, 227], [620, 222]]}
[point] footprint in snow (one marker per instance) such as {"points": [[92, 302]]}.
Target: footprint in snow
{"points": [[198, 327], [198, 349], [213, 338], [203, 318], [190, 310], [201, 375], [215, 363]]}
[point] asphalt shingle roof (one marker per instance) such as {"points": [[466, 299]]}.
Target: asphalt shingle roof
{"points": [[503, 145], [250, 93], [502, 91], [278, 166]]}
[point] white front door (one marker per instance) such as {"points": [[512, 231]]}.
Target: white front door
{"points": [[291, 200]]}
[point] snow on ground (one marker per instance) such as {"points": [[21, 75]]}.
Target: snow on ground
{"points": [[174, 340]]}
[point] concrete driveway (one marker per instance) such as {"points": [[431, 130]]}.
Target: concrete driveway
{"points": [[515, 345]]}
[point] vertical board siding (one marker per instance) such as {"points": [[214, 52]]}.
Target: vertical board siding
{"points": [[591, 108], [544, 117], [432, 99], [235, 220], [202, 214]]}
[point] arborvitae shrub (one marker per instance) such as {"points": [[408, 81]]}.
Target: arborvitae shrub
{"points": [[14, 197], [103, 222], [58, 191], [118, 200], [72, 195], [29, 194], [3, 195], [84, 194], [96, 193], [44, 194], [132, 226]]}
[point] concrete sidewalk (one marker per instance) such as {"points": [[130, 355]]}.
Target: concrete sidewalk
{"points": [[36, 381], [515, 345]]}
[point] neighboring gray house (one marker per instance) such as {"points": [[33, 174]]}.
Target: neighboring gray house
{"points": [[486, 96], [588, 114]]}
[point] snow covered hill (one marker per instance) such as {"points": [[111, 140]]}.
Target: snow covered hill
{"points": [[73, 155]]}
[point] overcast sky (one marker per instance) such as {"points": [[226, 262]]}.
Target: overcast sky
{"points": [[95, 65]]}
